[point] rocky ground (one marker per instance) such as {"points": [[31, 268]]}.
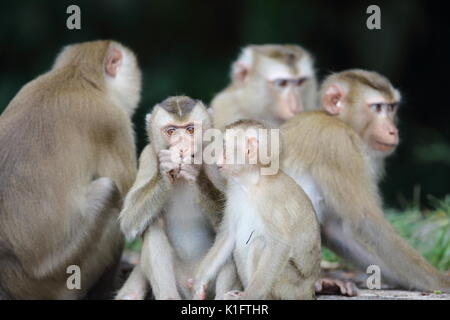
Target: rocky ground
{"points": [[388, 295], [131, 258]]}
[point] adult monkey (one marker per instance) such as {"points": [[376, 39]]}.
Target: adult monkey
{"points": [[268, 82], [336, 156], [67, 157]]}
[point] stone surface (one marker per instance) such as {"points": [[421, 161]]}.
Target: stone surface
{"points": [[389, 295]]}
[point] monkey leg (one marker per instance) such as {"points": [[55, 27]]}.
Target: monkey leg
{"points": [[293, 285], [374, 242], [157, 262], [227, 280], [108, 251], [106, 248], [136, 286]]}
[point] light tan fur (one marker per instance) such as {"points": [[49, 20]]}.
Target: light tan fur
{"points": [[155, 207], [67, 156], [352, 222], [271, 232], [251, 97]]}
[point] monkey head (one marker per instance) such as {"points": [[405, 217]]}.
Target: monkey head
{"points": [[248, 146], [279, 80], [108, 65], [367, 102], [177, 124]]}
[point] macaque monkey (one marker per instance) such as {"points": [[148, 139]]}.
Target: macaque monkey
{"points": [[67, 157], [269, 226], [268, 82], [336, 156], [173, 205]]}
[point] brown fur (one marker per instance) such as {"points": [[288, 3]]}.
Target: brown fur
{"points": [[58, 134], [281, 259], [164, 262], [334, 155]]}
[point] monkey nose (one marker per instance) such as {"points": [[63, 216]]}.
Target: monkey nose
{"points": [[393, 131]]}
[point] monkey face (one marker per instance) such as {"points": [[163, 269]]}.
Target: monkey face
{"points": [[382, 133], [180, 138], [240, 153], [287, 95], [368, 103]]}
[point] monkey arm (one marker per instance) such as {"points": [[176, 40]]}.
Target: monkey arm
{"points": [[273, 260], [210, 199], [356, 229], [216, 257], [136, 286], [213, 174], [146, 198]]}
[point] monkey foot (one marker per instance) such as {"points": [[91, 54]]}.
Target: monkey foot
{"points": [[336, 287], [201, 293], [233, 295], [131, 296]]}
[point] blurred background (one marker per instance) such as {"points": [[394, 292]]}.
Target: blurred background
{"points": [[187, 47]]}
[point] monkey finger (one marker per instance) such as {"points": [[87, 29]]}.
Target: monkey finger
{"points": [[352, 290], [189, 169], [189, 159], [233, 295], [334, 286], [168, 166], [190, 283], [169, 156], [187, 176], [201, 293]]}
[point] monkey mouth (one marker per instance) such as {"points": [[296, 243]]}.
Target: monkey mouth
{"points": [[382, 146]]}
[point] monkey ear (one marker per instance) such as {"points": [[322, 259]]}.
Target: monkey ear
{"points": [[113, 61], [239, 72], [332, 99], [252, 149]]}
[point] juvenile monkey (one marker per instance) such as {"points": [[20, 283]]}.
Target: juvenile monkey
{"points": [[67, 157], [173, 205], [268, 82], [269, 227], [336, 157]]}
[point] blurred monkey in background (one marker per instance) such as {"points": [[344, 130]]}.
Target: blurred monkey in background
{"points": [[67, 158], [268, 82]]}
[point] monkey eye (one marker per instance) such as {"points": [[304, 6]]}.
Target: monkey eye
{"points": [[299, 82], [190, 130], [281, 83], [376, 107], [170, 130], [392, 107]]}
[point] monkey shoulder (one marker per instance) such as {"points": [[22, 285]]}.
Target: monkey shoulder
{"points": [[315, 138], [285, 203]]}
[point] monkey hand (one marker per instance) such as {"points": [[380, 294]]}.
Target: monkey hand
{"points": [[233, 295], [200, 292], [169, 164], [335, 286], [189, 172]]}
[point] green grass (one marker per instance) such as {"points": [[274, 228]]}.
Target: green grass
{"points": [[133, 245], [426, 230]]}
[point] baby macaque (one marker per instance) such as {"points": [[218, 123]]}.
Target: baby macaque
{"points": [[269, 226], [173, 205]]}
